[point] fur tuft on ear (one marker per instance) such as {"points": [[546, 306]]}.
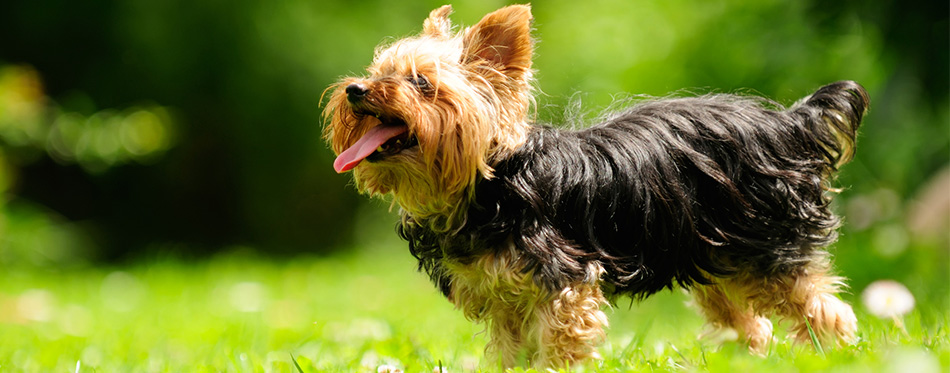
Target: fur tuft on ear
{"points": [[438, 24], [502, 39]]}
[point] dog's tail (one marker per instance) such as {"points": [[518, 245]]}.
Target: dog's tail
{"points": [[834, 112]]}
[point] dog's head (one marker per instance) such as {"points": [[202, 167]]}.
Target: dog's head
{"points": [[435, 110]]}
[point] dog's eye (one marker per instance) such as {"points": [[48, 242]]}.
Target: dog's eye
{"points": [[420, 81]]}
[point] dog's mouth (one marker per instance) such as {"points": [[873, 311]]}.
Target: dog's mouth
{"points": [[389, 137]]}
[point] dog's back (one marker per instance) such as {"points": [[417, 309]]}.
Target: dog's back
{"points": [[720, 183]]}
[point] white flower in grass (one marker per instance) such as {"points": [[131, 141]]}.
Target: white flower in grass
{"points": [[887, 299], [386, 368], [908, 359], [248, 296], [36, 305]]}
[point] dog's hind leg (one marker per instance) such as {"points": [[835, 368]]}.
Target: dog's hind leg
{"points": [[810, 294], [725, 304]]}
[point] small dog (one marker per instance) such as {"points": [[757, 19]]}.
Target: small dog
{"points": [[532, 228]]}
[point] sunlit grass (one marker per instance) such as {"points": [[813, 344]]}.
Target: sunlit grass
{"points": [[364, 311]]}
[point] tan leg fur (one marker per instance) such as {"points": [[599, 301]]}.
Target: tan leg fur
{"points": [[553, 330], [727, 306], [745, 302]]}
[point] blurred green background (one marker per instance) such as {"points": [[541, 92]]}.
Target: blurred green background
{"points": [[135, 129]]}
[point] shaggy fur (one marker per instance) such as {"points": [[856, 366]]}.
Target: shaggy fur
{"points": [[531, 228]]}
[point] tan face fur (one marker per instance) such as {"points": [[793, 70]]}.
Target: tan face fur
{"points": [[464, 98]]}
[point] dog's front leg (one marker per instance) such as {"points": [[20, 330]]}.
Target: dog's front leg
{"points": [[552, 328], [568, 327], [507, 331], [505, 322], [496, 290]]}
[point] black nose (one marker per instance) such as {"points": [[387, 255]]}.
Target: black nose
{"points": [[356, 92]]}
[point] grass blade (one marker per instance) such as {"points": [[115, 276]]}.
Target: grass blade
{"points": [[299, 370], [814, 338]]}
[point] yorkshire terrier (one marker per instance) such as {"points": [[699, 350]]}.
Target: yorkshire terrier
{"points": [[531, 228]]}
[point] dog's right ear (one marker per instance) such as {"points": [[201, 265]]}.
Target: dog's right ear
{"points": [[438, 24], [502, 40]]}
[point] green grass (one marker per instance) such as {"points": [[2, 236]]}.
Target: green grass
{"points": [[355, 312]]}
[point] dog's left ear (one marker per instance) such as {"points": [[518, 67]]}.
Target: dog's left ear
{"points": [[503, 40]]}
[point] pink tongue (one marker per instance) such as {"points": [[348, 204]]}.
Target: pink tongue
{"points": [[366, 145]]}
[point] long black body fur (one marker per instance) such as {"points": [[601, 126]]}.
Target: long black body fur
{"points": [[662, 193]]}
